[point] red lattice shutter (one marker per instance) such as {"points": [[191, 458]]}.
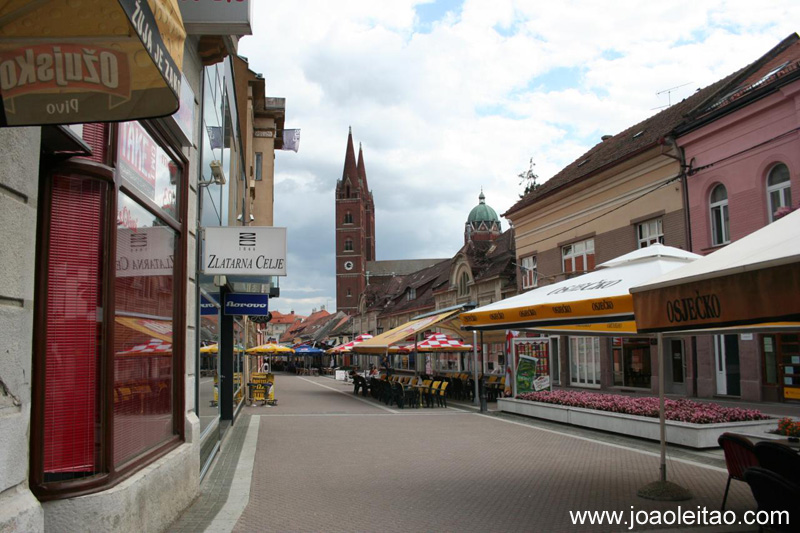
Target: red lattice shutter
{"points": [[73, 337]]}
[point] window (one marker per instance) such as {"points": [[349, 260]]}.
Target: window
{"points": [[102, 405], [720, 234], [578, 256], [530, 277], [779, 190], [349, 294], [631, 362], [584, 353], [650, 232], [463, 284], [411, 294], [348, 245], [348, 218], [259, 164]]}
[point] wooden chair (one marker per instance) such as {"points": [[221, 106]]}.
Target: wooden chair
{"points": [[739, 456]]}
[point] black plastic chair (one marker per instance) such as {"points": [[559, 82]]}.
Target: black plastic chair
{"points": [[780, 459], [398, 395], [775, 493], [739, 456]]}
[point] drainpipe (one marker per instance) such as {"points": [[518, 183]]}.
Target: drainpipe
{"points": [[684, 175], [687, 222]]}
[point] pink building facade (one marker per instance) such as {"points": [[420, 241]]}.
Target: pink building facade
{"points": [[743, 157]]}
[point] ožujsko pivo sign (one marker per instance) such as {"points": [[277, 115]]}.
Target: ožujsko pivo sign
{"points": [[245, 250]]}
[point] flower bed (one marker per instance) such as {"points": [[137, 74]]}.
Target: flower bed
{"points": [[693, 424], [788, 427], [678, 410]]}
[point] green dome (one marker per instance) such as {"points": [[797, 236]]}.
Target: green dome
{"points": [[482, 212]]}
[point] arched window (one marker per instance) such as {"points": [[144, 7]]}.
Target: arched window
{"points": [[463, 284], [348, 245], [348, 218], [720, 234], [779, 189]]}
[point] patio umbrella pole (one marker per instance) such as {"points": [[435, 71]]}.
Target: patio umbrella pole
{"points": [[663, 490], [475, 399]]}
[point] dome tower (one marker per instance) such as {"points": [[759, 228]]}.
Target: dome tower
{"points": [[483, 224]]}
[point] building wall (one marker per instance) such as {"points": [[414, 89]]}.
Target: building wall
{"points": [[19, 190], [741, 148], [752, 134], [607, 208]]}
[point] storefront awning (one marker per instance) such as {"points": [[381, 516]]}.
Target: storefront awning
{"points": [[102, 61], [380, 344], [751, 281], [594, 298]]}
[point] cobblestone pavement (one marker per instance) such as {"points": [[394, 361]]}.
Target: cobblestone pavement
{"points": [[329, 461]]}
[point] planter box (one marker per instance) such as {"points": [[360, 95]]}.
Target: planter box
{"points": [[682, 433]]}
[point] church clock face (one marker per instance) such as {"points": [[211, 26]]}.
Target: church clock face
{"points": [[348, 265]]}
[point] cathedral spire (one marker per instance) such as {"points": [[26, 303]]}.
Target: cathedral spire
{"points": [[362, 171], [350, 169]]}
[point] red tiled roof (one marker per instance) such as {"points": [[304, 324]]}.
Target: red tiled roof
{"points": [[634, 140]]}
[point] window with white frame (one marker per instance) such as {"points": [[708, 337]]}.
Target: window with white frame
{"points": [[718, 203], [779, 189], [578, 257], [530, 278], [650, 232], [584, 355]]}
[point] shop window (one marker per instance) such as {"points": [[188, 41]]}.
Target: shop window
{"points": [[584, 356], [779, 190], [530, 277], [578, 257], [143, 338], [650, 232], [631, 362], [74, 338], [101, 406], [720, 233]]}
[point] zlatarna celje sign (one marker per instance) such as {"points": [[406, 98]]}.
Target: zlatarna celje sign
{"points": [[245, 250], [246, 304]]}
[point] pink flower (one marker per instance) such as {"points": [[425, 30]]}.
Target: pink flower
{"points": [[681, 410]]}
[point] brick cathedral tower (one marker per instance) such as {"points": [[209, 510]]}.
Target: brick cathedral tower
{"points": [[355, 230]]}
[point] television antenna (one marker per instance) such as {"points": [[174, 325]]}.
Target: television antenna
{"points": [[669, 94]]}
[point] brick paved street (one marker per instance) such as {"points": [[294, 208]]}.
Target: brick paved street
{"points": [[329, 461]]}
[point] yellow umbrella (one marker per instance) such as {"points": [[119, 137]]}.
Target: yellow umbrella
{"points": [[213, 348], [270, 348]]}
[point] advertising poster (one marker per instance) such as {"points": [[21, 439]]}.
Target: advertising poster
{"points": [[533, 364], [526, 374]]}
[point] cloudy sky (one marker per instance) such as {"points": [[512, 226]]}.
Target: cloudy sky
{"points": [[449, 97]]}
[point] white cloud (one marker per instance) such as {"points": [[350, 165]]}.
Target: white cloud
{"points": [[466, 104]]}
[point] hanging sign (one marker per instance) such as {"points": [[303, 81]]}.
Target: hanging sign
{"points": [[246, 304], [87, 64], [247, 250]]}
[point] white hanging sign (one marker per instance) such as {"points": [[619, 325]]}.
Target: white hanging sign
{"points": [[245, 250]]}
